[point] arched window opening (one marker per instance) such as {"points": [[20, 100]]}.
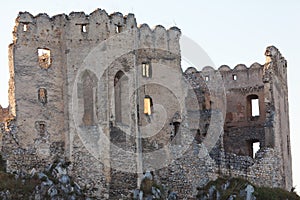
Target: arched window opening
{"points": [[121, 98], [176, 121], [253, 107], [89, 85]]}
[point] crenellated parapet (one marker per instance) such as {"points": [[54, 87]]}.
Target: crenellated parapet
{"points": [[95, 27], [77, 78], [239, 76]]}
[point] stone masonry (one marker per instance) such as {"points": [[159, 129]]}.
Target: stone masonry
{"points": [[111, 97]]}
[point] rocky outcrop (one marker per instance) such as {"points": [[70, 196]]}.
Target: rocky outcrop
{"points": [[54, 183]]}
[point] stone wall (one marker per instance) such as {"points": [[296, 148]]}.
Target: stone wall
{"points": [[79, 87]]}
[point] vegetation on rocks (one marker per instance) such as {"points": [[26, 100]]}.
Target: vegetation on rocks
{"points": [[240, 189]]}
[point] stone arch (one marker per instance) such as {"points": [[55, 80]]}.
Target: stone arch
{"points": [[121, 98], [89, 90]]}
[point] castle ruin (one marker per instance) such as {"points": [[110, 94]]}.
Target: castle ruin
{"points": [[111, 97]]}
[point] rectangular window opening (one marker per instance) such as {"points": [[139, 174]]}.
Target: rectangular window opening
{"points": [[234, 77], [118, 29], [255, 148], [147, 105], [44, 58], [206, 78], [83, 28], [146, 70], [255, 107]]}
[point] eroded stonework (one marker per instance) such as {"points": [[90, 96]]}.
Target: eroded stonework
{"points": [[111, 97]]}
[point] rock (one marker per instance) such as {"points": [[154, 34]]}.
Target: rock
{"points": [[226, 185], [156, 193], [248, 192], [64, 179], [52, 191], [211, 190], [77, 188], [65, 189], [73, 197], [59, 170], [136, 193], [172, 196], [147, 183], [42, 176], [141, 195], [47, 183], [32, 172]]}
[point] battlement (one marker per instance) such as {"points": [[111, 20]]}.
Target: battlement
{"points": [[97, 26], [77, 78], [232, 77], [224, 68]]}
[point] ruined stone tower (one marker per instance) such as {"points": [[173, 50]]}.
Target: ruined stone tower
{"points": [[111, 97]]}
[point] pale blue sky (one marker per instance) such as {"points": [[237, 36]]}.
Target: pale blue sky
{"points": [[231, 32]]}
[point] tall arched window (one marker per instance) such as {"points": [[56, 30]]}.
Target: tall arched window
{"points": [[121, 98], [89, 86]]}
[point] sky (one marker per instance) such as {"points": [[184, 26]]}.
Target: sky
{"points": [[230, 32]]}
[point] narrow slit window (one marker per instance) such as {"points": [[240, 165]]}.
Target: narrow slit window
{"points": [[44, 58], [148, 105], [146, 70], [234, 77]]}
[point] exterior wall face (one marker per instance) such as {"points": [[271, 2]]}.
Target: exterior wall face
{"points": [[275, 77], [38, 92], [107, 82], [241, 128]]}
